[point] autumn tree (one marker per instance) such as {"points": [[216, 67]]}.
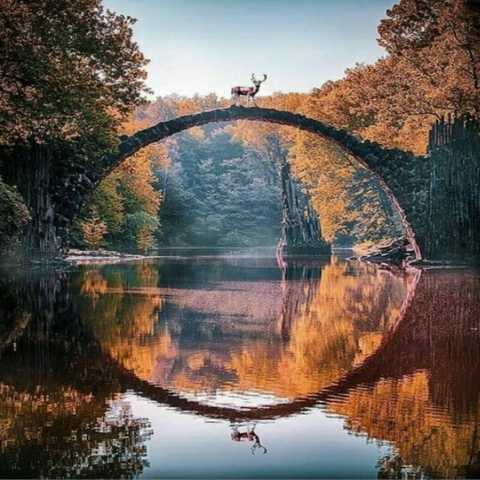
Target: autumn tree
{"points": [[437, 42], [372, 102], [432, 69], [69, 68], [352, 206], [93, 230], [214, 191], [14, 215], [127, 202]]}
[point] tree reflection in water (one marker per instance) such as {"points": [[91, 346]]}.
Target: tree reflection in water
{"points": [[66, 433], [58, 416], [284, 337], [398, 360], [424, 392]]}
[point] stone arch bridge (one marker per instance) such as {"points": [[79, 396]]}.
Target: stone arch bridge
{"points": [[397, 171], [61, 182]]}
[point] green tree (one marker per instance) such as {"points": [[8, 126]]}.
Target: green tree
{"points": [[14, 215], [219, 193], [139, 231], [109, 204]]}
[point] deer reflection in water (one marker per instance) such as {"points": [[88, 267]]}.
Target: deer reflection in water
{"points": [[249, 436]]}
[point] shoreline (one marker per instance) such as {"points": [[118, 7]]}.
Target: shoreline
{"points": [[382, 257], [79, 257]]}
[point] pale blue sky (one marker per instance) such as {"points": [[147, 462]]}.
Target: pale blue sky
{"points": [[203, 46]]}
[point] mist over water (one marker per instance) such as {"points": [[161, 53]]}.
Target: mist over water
{"points": [[228, 366]]}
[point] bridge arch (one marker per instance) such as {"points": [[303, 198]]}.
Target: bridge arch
{"points": [[384, 361], [395, 169]]}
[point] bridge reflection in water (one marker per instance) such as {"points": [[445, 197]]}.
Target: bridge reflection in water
{"points": [[393, 358]]}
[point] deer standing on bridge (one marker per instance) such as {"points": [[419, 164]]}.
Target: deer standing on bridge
{"points": [[248, 92]]}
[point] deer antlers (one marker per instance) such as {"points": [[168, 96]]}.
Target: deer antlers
{"points": [[259, 81]]}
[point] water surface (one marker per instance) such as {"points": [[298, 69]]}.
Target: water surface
{"points": [[231, 367]]}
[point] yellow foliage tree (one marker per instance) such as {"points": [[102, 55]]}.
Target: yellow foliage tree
{"points": [[94, 230]]}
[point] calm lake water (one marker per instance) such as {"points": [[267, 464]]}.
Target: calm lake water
{"points": [[231, 367]]}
